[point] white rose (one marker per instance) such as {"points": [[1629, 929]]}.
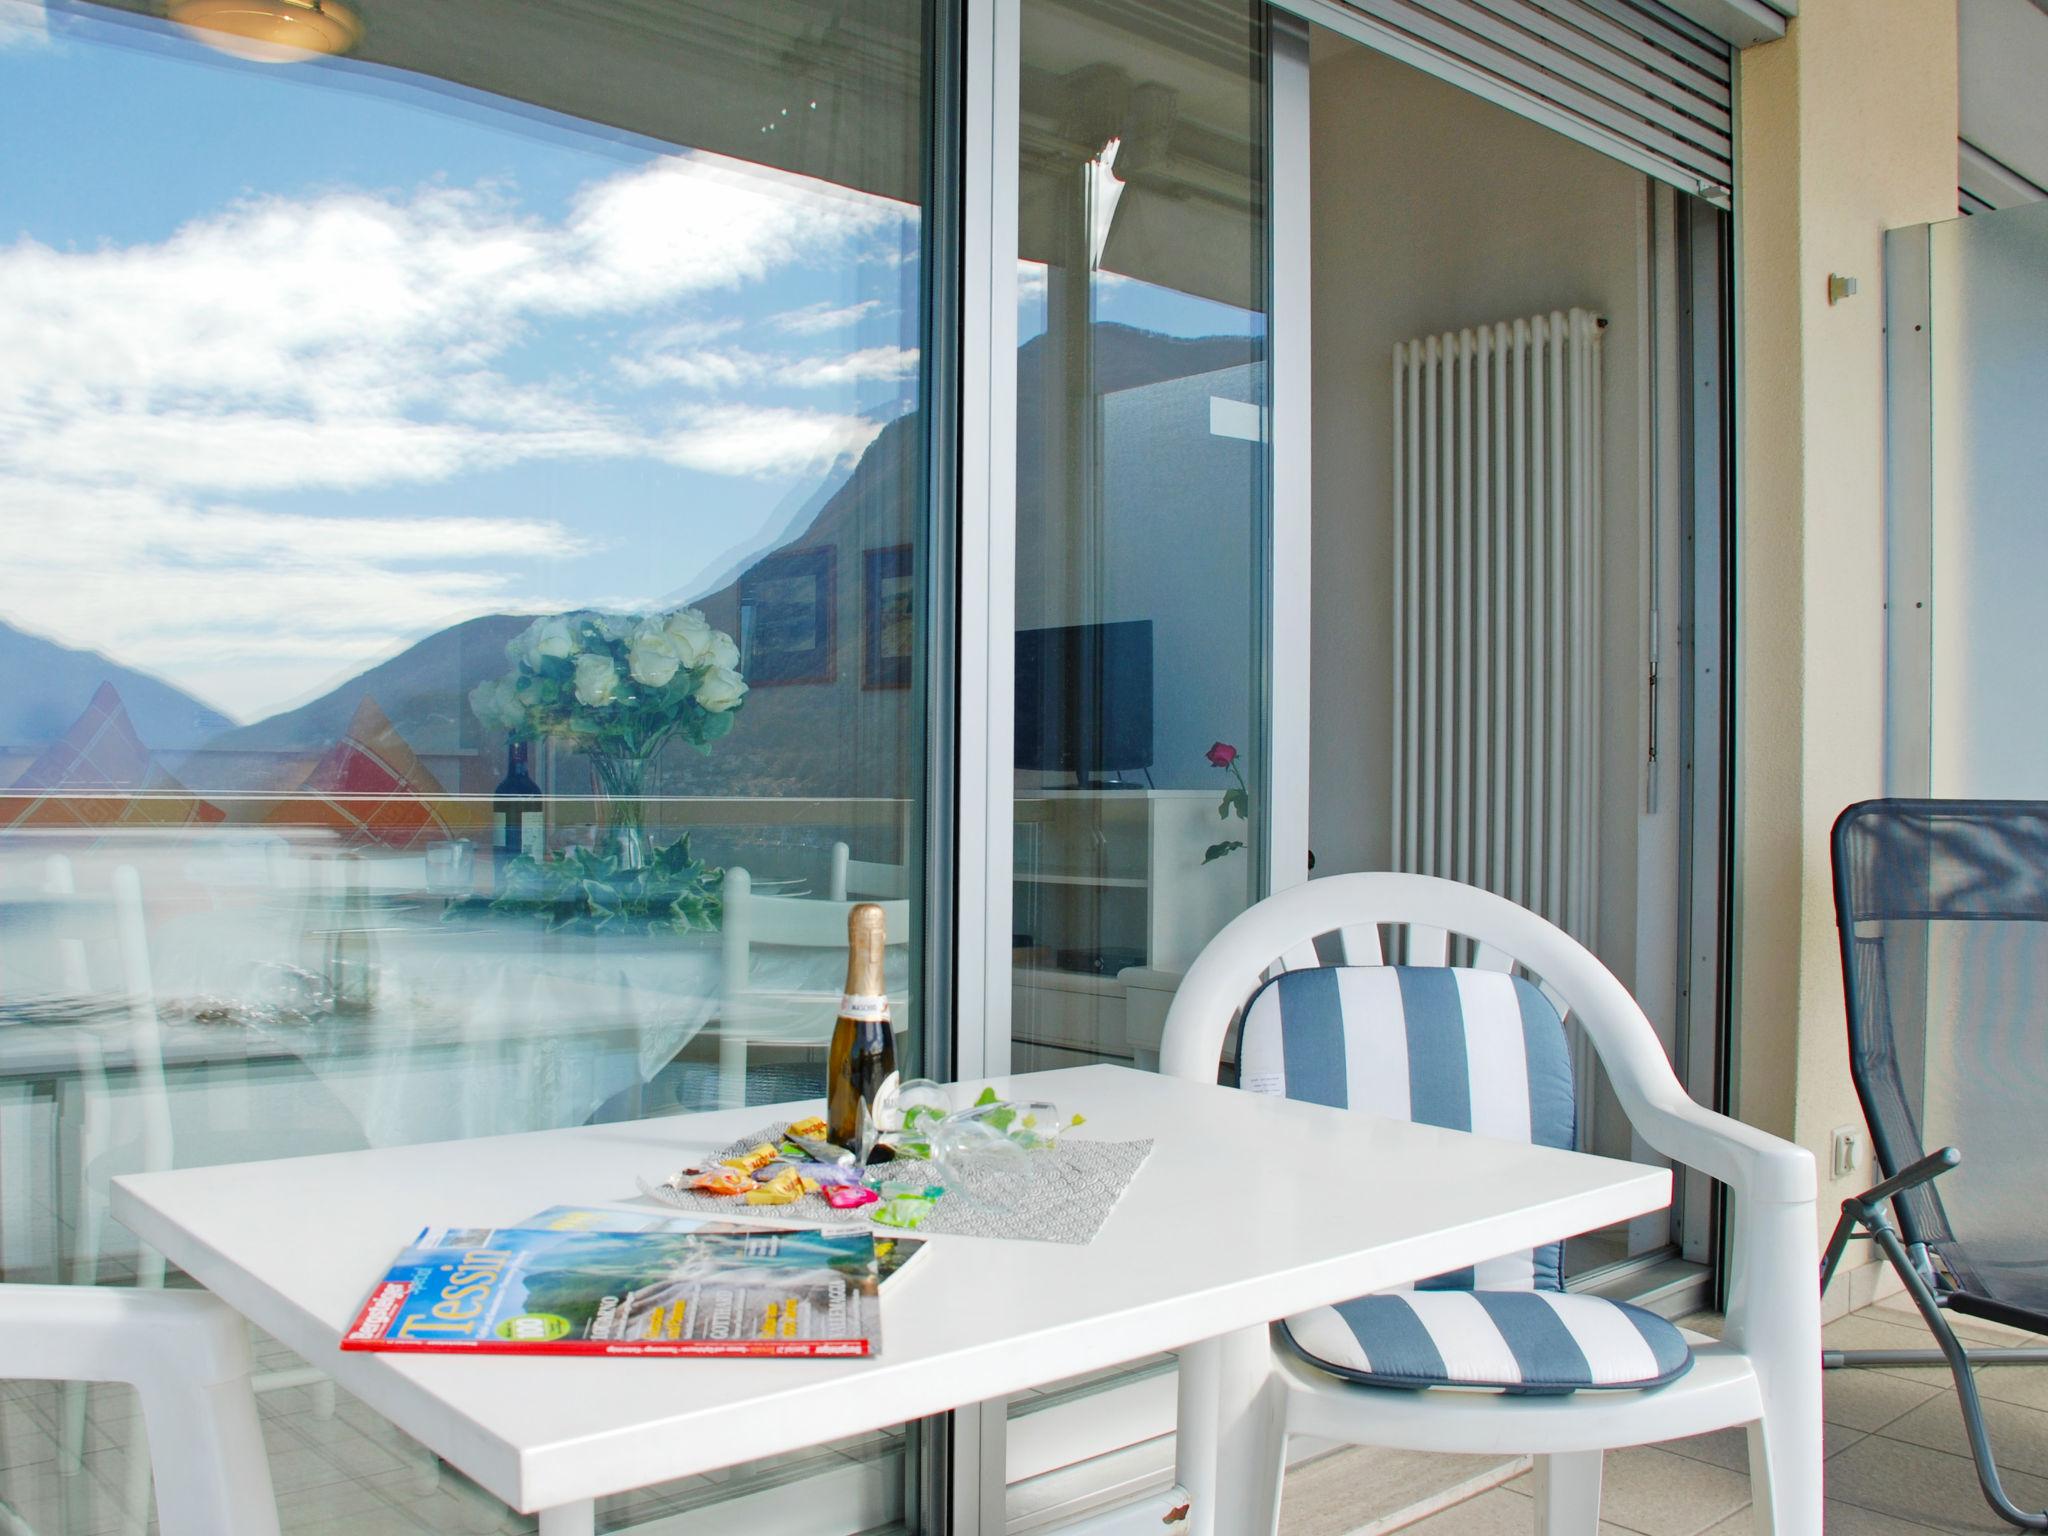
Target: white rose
{"points": [[615, 626], [692, 634], [497, 704], [597, 680], [721, 689], [653, 658], [723, 653], [550, 636]]}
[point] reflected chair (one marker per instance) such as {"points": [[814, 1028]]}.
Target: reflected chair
{"points": [[1498, 1359], [783, 960], [865, 880], [187, 1356], [1942, 909]]}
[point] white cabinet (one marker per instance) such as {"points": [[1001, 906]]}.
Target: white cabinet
{"points": [[1107, 881]]}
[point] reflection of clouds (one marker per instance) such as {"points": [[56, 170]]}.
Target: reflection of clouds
{"points": [[343, 340], [240, 604], [699, 367], [23, 24], [817, 319], [349, 339]]}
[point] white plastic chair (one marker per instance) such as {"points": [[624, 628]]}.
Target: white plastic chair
{"points": [[1240, 1402], [798, 1006], [187, 1356]]}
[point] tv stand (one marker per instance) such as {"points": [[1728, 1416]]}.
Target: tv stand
{"points": [[1109, 878]]}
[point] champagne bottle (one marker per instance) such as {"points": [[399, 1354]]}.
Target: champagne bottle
{"points": [[516, 821], [861, 1070]]}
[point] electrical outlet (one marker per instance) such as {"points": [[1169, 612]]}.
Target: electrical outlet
{"points": [[1848, 1150]]}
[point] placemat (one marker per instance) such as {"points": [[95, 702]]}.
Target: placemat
{"points": [[1062, 1195]]}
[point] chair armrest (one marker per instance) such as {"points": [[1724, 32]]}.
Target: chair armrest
{"points": [[1755, 1164]]}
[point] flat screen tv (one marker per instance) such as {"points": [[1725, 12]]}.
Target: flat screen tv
{"points": [[1084, 698]]}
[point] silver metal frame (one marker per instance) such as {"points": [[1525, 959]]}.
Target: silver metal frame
{"points": [[1909, 512]]}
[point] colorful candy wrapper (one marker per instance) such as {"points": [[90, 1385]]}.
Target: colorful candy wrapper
{"points": [[813, 1128], [907, 1211], [830, 1173], [747, 1162], [912, 1191], [784, 1188], [717, 1181], [848, 1197]]}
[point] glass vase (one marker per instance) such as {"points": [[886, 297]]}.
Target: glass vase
{"points": [[621, 783]]}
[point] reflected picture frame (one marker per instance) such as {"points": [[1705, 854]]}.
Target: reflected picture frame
{"points": [[789, 618], [888, 616]]}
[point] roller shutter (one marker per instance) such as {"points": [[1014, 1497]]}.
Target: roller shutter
{"points": [[1633, 78]]}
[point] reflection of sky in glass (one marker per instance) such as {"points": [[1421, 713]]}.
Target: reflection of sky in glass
{"points": [[304, 364]]}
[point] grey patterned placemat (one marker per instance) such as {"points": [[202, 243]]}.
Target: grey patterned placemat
{"points": [[1061, 1195]]}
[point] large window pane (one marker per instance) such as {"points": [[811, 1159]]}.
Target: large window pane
{"points": [[1141, 511], [468, 507]]}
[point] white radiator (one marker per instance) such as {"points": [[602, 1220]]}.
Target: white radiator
{"points": [[1496, 610]]}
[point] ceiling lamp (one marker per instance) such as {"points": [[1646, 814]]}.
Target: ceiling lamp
{"points": [[270, 31]]}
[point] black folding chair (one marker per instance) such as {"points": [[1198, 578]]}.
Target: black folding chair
{"points": [[1943, 912]]}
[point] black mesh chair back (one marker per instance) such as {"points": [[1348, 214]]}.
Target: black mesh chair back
{"points": [[1943, 912]]}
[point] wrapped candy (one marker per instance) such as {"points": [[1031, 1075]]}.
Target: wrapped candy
{"points": [[848, 1197], [785, 1187], [906, 1211], [812, 1128], [716, 1181], [748, 1161]]}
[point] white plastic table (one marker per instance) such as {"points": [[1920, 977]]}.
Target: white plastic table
{"points": [[1249, 1209]]}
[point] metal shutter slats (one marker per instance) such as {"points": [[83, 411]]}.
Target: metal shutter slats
{"points": [[1631, 77]]}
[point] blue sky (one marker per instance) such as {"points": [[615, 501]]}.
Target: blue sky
{"points": [[311, 362]]}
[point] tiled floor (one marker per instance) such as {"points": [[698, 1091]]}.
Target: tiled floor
{"points": [[338, 1471], [1897, 1464]]}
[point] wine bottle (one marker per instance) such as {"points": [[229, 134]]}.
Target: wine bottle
{"points": [[516, 820], [861, 1069]]}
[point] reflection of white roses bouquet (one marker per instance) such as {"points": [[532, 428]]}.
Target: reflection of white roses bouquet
{"points": [[616, 685]]}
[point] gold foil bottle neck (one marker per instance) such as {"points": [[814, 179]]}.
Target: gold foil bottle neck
{"points": [[866, 938]]}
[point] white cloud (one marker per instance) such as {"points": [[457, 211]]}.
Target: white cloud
{"points": [[343, 340], [851, 368], [755, 440], [23, 24], [817, 319]]}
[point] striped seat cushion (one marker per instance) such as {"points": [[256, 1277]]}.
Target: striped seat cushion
{"points": [[1468, 1050], [1525, 1342]]}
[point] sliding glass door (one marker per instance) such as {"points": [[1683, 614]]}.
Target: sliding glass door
{"points": [[1142, 522], [471, 538]]}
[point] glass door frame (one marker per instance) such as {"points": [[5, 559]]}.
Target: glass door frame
{"points": [[986, 656]]}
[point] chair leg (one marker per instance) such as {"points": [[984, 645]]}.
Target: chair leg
{"points": [[1568, 1494]]}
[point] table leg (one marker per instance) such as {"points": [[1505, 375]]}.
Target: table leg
{"points": [[579, 1519], [1231, 1463]]}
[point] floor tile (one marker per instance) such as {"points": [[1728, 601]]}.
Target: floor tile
{"points": [[1661, 1493], [2019, 1436], [1337, 1494], [1840, 1520], [1911, 1482], [1729, 1448], [1870, 1400], [1498, 1512]]}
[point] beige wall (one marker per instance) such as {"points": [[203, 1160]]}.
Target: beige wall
{"points": [[1435, 210], [1846, 128]]}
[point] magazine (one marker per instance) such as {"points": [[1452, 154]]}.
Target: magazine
{"points": [[752, 1291], [892, 1253]]}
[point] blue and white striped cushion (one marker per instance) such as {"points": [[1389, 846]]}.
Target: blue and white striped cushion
{"points": [[1473, 1051], [1522, 1342], [1468, 1050]]}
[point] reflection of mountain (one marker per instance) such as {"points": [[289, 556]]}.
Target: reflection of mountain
{"points": [[833, 738], [424, 690], [49, 686]]}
